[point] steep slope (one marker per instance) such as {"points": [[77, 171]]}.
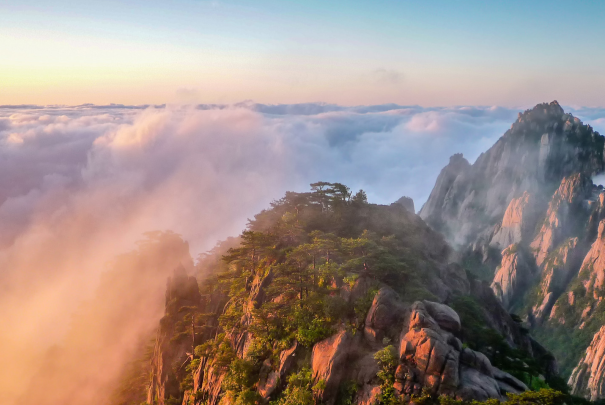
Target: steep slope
{"points": [[542, 147], [526, 216], [329, 299], [588, 378]]}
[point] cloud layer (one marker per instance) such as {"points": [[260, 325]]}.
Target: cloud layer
{"points": [[79, 185]]}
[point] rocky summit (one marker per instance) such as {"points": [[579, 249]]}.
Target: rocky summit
{"points": [[527, 218], [328, 299]]}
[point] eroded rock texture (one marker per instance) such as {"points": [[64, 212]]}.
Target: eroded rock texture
{"points": [[514, 275], [527, 217], [593, 266], [557, 272], [588, 378], [432, 357], [182, 291], [564, 213], [541, 148], [518, 222]]}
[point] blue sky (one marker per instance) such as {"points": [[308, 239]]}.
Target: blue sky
{"points": [[410, 52]]}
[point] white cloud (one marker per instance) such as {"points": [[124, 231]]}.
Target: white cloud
{"points": [[80, 184]]}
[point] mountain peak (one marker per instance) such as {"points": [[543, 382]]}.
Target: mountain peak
{"points": [[543, 112]]}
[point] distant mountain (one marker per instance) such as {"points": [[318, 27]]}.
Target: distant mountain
{"points": [[527, 218]]}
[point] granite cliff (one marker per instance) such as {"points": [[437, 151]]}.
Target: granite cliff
{"points": [[527, 218]]}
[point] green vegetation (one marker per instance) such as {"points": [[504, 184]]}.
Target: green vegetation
{"points": [[480, 337], [300, 389], [287, 277], [387, 361], [475, 267], [290, 277], [543, 396]]}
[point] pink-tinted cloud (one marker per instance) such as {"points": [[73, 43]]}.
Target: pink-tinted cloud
{"points": [[79, 185]]}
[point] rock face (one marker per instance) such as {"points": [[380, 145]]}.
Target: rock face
{"points": [[182, 291], [270, 379], [514, 275], [531, 198], [407, 203], [564, 212], [432, 357], [498, 318], [556, 275], [593, 267], [519, 220], [328, 362], [588, 378], [542, 147]]}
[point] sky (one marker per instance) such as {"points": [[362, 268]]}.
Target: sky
{"points": [[430, 53], [122, 117]]}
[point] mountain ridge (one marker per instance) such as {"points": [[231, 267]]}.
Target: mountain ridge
{"points": [[527, 217]]}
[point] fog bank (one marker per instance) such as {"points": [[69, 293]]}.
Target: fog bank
{"points": [[79, 185]]}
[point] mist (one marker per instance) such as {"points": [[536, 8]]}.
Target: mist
{"points": [[79, 186]]}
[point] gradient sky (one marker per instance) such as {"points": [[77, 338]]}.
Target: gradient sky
{"points": [[347, 52]]}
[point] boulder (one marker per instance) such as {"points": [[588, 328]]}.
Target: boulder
{"points": [[432, 357], [445, 316], [407, 203], [508, 383], [328, 361], [384, 315]]}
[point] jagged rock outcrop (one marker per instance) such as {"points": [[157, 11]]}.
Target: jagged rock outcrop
{"points": [[588, 378], [532, 191], [207, 383], [270, 379], [182, 292], [514, 275], [328, 363], [557, 272], [592, 271], [518, 222], [433, 358], [407, 203], [430, 357], [542, 147], [443, 206], [596, 206], [564, 212]]}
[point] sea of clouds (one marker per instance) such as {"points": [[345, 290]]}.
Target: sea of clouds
{"points": [[79, 185]]}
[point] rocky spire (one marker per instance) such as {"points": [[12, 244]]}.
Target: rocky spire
{"points": [[588, 378], [542, 147]]}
